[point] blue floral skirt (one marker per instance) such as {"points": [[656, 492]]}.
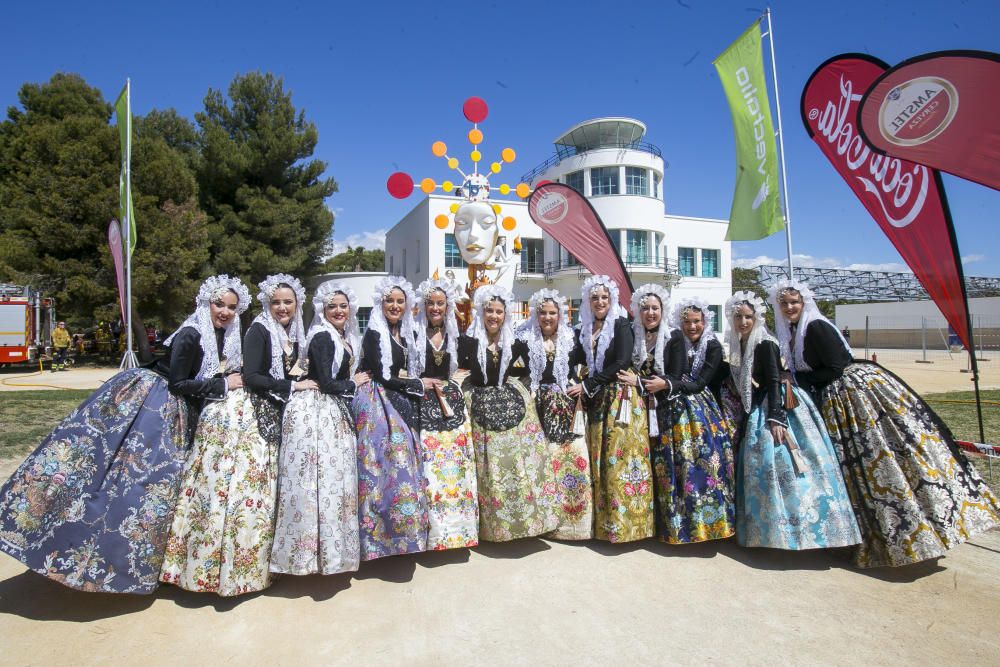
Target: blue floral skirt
{"points": [[91, 507], [784, 507], [693, 472], [392, 506]]}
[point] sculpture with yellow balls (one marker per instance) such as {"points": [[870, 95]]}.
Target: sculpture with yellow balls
{"points": [[477, 219]]}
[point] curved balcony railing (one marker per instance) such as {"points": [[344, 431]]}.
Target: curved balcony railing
{"points": [[634, 264], [564, 152]]}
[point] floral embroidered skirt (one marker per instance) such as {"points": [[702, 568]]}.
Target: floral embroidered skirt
{"points": [[783, 507], [220, 541], [732, 409], [574, 502], [392, 506], [693, 471], [620, 465], [914, 492], [517, 492], [317, 519], [449, 468], [91, 507]]}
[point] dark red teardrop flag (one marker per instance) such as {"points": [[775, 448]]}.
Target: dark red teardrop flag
{"points": [[940, 110], [567, 216], [906, 199]]}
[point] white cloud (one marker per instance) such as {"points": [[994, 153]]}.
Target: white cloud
{"points": [[969, 259], [370, 240], [812, 261]]}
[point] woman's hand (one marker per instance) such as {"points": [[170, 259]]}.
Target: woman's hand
{"points": [[459, 376], [778, 432], [362, 378], [628, 378], [234, 381], [306, 384], [654, 384], [430, 383], [574, 390]]}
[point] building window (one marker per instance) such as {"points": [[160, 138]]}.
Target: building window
{"points": [[616, 240], [532, 256], [575, 181], [566, 257], [635, 181], [709, 263], [364, 314], [656, 185], [574, 311], [603, 181], [452, 256], [637, 246], [716, 318], [685, 261]]}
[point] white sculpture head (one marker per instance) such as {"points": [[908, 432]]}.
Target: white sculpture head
{"points": [[476, 231]]}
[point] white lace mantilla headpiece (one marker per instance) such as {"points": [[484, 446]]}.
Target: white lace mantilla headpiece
{"points": [[295, 333], [200, 320], [742, 364], [352, 335], [595, 361], [378, 323], [696, 353], [531, 333], [639, 351], [810, 313], [451, 295], [484, 295]]}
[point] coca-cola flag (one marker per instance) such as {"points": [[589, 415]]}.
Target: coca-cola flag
{"points": [[939, 109], [906, 199], [115, 244], [568, 217]]}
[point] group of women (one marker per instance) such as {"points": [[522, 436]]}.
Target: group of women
{"points": [[297, 452]]}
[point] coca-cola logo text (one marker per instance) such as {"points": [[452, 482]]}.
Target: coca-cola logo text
{"points": [[899, 189]]}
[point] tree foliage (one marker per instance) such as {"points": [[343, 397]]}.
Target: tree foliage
{"points": [[354, 260], [235, 193]]}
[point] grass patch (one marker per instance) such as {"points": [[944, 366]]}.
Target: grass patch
{"points": [[961, 417], [28, 416]]}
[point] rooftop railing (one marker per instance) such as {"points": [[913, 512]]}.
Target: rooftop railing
{"points": [[564, 151]]}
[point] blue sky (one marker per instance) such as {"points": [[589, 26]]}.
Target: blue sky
{"points": [[383, 80]]}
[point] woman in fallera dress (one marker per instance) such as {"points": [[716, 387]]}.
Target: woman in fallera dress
{"points": [[513, 464], [392, 506], [617, 429], [549, 339], [223, 529], [914, 492], [790, 494], [446, 453], [91, 507], [316, 530]]}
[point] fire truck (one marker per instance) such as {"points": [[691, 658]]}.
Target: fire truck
{"points": [[26, 320]]}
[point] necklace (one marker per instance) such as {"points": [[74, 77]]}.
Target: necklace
{"points": [[434, 329]]}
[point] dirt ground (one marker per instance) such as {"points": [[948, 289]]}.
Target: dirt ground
{"points": [[539, 602]]}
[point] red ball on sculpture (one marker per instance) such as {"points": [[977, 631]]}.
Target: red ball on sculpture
{"points": [[400, 185], [475, 109]]}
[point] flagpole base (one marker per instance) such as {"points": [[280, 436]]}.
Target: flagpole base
{"points": [[128, 361]]}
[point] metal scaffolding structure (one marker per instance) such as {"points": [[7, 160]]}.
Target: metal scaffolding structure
{"points": [[847, 285]]}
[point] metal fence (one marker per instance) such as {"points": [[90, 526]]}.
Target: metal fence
{"points": [[924, 339]]}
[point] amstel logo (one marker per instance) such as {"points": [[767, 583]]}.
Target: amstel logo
{"points": [[915, 112]]}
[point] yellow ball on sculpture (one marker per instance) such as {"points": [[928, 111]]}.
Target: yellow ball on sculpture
{"points": [[452, 163], [453, 208], [475, 136], [441, 221], [508, 154], [476, 156], [496, 208], [439, 148], [495, 167], [523, 190], [509, 223], [505, 189], [427, 185], [447, 186]]}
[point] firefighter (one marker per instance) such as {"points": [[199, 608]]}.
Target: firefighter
{"points": [[103, 338], [60, 346]]}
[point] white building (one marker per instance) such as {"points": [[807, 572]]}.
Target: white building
{"points": [[622, 176]]}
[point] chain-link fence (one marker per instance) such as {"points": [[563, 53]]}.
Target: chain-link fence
{"points": [[923, 339]]}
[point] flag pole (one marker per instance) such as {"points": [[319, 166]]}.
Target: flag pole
{"points": [[129, 360], [781, 146]]}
